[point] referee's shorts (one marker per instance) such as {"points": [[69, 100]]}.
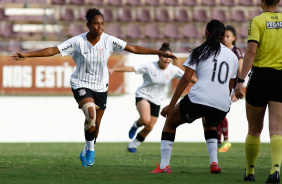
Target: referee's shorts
{"points": [[265, 84]]}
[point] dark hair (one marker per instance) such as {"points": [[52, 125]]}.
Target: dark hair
{"points": [[215, 30], [271, 2], [165, 47], [233, 31], [92, 13]]}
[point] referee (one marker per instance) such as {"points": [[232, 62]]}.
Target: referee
{"points": [[264, 89]]}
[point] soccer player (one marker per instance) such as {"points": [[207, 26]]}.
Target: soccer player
{"points": [[216, 68], [89, 82], [156, 75], [264, 88], [229, 40]]}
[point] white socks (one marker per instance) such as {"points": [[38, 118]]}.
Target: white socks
{"points": [[166, 148], [134, 144], [89, 145], [135, 124], [212, 149]]}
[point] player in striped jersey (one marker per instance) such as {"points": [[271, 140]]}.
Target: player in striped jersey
{"points": [[156, 75], [89, 82]]}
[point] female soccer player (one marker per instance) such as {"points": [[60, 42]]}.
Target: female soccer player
{"points": [[229, 40], [210, 98], [89, 82], [149, 95], [264, 88]]}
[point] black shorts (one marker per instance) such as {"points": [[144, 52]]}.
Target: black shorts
{"points": [[155, 109], [190, 111], [100, 98], [265, 84]]}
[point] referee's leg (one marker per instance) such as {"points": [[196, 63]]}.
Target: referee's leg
{"points": [[275, 131], [255, 116]]}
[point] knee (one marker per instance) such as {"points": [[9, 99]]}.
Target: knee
{"points": [[255, 130], [90, 115], [146, 120], [149, 127]]}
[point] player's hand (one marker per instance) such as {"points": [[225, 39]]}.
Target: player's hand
{"points": [[238, 90], [17, 57], [168, 55], [111, 71], [166, 111]]}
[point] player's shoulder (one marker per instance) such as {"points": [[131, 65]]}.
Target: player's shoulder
{"points": [[80, 37], [227, 51], [236, 49]]}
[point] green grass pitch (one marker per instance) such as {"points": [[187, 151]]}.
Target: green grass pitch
{"points": [[59, 163]]}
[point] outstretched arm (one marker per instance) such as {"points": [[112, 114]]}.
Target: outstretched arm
{"points": [[182, 84], [50, 51], [122, 69], [143, 50]]}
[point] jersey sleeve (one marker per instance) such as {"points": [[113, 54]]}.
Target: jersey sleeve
{"points": [[186, 63], [140, 69], [68, 47], [253, 31], [118, 44], [238, 53], [235, 68], [178, 72]]}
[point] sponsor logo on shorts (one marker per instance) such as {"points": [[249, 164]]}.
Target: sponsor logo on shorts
{"points": [[81, 92], [100, 52], [189, 119]]}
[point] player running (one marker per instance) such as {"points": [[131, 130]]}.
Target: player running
{"points": [[89, 82], [216, 68], [156, 75]]}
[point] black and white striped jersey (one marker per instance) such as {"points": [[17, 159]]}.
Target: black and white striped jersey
{"points": [[155, 80], [91, 61]]}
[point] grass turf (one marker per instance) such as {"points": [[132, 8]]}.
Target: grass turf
{"points": [[59, 163]]}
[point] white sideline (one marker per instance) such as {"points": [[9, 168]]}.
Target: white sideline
{"points": [[57, 119]]}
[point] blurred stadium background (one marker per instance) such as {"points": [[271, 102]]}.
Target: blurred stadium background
{"points": [[27, 25]]}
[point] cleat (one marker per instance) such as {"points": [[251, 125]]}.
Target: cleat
{"points": [[131, 150], [89, 160], [214, 168], [273, 178], [82, 158], [159, 170], [250, 177], [225, 146], [132, 132]]}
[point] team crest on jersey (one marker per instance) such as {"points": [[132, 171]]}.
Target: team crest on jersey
{"points": [[81, 92], [100, 52]]}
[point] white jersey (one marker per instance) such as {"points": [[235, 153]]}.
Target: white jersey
{"points": [[212, 87], [91, 61], [155, 80]]}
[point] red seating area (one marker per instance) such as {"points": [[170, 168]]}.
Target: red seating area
{"points": [[137, 21]]}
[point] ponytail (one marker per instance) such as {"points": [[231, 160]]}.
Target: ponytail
{"points": [[211, 47]]}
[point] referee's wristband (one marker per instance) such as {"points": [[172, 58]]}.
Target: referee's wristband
{"points": [[240, 80]]}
